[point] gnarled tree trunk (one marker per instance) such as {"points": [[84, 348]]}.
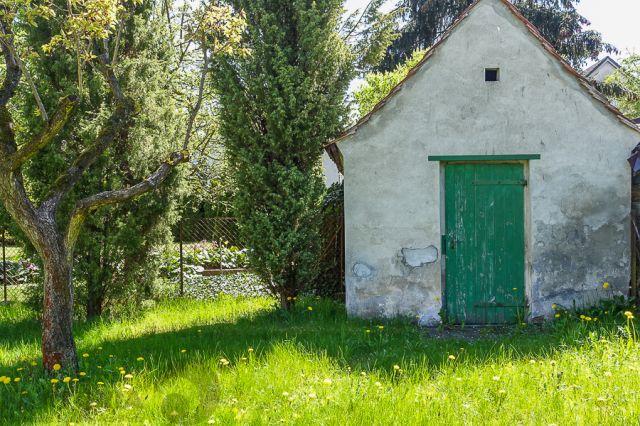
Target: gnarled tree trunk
{"points": [[58, 346]]}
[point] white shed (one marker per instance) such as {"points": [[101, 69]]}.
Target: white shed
{"points": [[489, 185]]}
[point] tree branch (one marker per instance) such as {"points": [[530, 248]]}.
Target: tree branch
{"points": [[13, 74], [53, 128], [196, 108], [93, 202], [106, 69], [116, 127]]}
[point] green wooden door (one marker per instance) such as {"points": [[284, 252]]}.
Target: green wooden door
{"points": [[484, 242]]}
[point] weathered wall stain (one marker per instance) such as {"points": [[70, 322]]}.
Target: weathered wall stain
{"points": [[578, 194]]}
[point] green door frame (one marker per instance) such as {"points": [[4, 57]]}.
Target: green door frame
{"points": [[523, 159]]}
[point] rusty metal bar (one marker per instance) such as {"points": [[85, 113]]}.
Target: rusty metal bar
{"points": [[4, 264], [181, 262]]}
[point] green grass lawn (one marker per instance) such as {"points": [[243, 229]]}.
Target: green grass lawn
{"points": [[241, 361]]}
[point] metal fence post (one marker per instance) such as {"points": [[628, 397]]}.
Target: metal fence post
{"points": [[4, 265], [181, 262]]}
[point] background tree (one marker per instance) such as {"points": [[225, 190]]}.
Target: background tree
{"points": [[558, 21], [623, 86], [114, 254], [377, 85], [92, 31], [279, 105]]}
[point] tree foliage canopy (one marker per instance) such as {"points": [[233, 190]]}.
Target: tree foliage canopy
{"points": [[558, 21], [624, 86], [377, 85]]}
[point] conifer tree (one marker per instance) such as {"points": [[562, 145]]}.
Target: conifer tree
{"points": [[279, 105], [114, 250]]}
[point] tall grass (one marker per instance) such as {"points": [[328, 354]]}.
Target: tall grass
{"points": [[242, 361]]}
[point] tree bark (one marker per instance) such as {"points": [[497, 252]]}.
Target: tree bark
{"points": [[58, 346]]}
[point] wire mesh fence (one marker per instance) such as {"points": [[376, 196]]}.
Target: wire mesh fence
{"points": [[17, 273], [209, 247]]}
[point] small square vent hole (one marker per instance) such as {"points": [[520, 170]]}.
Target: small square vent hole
{"points": [[492, 74]]}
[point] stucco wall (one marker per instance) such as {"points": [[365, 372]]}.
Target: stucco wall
{"points": [[578, 195]]}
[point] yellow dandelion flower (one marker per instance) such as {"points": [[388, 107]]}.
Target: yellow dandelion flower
{"points": [[54, 381], [75, 380], [224, 361], [85, 355], [17, 379], [66, 380], [19, 369], [122, 372], [309, 308], [554, 306], [587, 318], [93, 404], [56, 367], [100, 383], [128, 376], [367, 331], [183, 351], [396, 367], [4, 379], [628, 314], [82, 374], [127, 387], [381, 327], [34, 364], [605, 285], [378, 384], [582, 317], [452, 357], [250, 349], [140, 358], [557, 315]]}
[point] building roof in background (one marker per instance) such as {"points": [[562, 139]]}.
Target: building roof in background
{"points": [[593, 69], [584, 82]]}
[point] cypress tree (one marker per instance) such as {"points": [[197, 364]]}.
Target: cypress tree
{"points": [[279, 105]]}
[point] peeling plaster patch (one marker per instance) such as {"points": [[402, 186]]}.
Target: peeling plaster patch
{"points": [[417, 258], [430, 317], [361, 270]]}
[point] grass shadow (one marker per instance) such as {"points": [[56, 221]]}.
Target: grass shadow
{"points": [[315, 326]]}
